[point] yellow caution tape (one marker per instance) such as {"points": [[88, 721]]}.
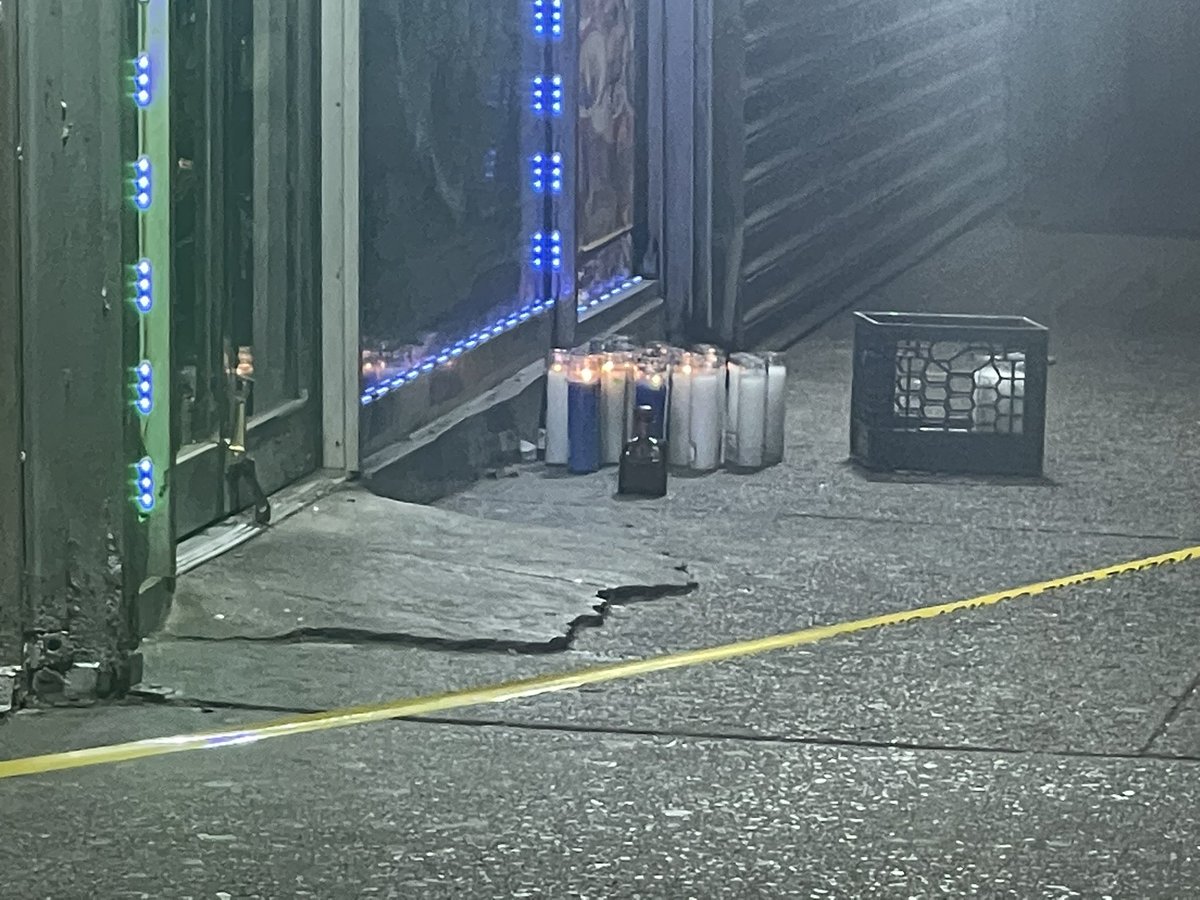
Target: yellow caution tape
{"points": [[547, 684]]}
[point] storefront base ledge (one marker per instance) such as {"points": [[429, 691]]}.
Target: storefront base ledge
{"points": [[230, 533], [482, 437]]}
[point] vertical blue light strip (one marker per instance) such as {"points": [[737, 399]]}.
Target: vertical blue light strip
{"points": [[548, 19], [146, 485], [143, 377], [143, 281], [143, 183], [143, 81]]}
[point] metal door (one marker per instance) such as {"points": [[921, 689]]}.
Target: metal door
{"points": [[844, 145], [245, 258]]}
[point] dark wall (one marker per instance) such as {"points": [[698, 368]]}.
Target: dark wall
{"points": [[1164, 73], [11, 543], [1095, 73], [77, 139], [872, 129], [1070, 81], [1106, 114]]}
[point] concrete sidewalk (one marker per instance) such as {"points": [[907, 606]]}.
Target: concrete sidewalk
{"points": [[815, 541], [1016, 750]]}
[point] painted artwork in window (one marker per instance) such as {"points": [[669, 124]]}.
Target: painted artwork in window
{"points": [[607, 144]]}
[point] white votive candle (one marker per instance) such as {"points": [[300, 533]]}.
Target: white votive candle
{"points": [[716, 359], [776, 408], [679, 428], [614, 405], [558, 442], [708, 403], [749, 412]]}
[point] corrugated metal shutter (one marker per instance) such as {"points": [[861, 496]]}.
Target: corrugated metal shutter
{"points": [[872, 127]]}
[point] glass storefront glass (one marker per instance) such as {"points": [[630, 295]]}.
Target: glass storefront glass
{"points": [[445, 217], [607, 144], [503, 175], [246, 261]]}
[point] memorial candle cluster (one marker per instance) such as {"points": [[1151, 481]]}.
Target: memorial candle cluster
{"points": [[704, 409]]}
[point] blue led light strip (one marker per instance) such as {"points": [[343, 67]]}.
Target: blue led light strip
{"points": [[548, 19], [615, 292], [146, 485], [451, 352], [143, 280], [547, 95], [148, 364], [546, 174], [546, 252], [143, 183], [143, 377], [143, 81]]}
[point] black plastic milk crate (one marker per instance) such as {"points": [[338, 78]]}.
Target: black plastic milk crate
{"points": [[947, 393]]}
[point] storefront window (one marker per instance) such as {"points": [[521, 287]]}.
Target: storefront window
{"points": [[446, 222]]}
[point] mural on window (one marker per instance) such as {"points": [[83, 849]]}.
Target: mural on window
{"points": [[443, 222], [607, 145]]}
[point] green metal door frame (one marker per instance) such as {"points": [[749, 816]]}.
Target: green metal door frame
{"points": [[154, 246], [12, 542]]}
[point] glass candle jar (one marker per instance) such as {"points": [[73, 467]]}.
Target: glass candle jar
{"points": [[710, 351], [619, 343], [558, 440], [776, 408], [679, 419], [583, 414], [616, 396], [652, 388], [747, 426], [706, 425]]}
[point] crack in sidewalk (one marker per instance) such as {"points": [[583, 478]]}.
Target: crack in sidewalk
{"points": [[608, 598], [703, 735], [1173, 713]]}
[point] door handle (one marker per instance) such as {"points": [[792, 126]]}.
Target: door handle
{"points": [[237, 437], [240, 466]]}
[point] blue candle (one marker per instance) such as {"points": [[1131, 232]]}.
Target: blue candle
{"points": [[652, 392], [583, 420]]}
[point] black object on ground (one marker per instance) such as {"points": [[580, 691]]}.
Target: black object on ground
{"points": [[949, 393], [643, 471]]}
